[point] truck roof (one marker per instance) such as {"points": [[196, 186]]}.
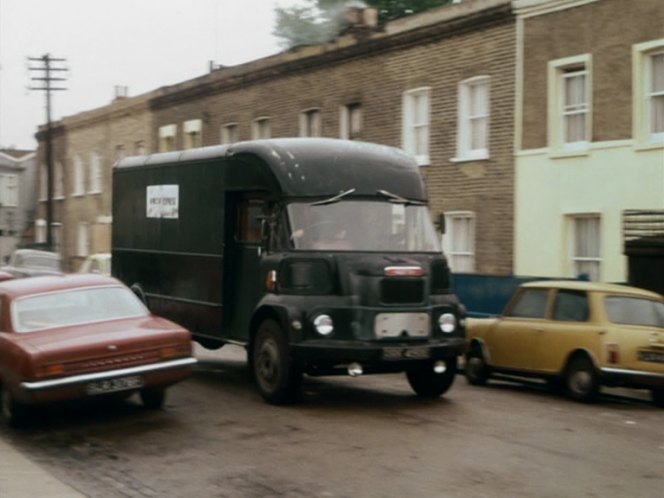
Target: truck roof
{"points": [[312, 167]]}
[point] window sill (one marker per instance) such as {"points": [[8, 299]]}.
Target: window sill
{"points": [[95, 192], [569, 153], [646, 146], [468, 159], [78, 194]]}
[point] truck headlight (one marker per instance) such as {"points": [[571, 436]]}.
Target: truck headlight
{"points": [[323, 324], [447, 322]]}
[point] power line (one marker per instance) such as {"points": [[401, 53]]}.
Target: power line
{"points": [[45, 67]]}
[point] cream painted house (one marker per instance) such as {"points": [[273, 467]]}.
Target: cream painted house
{"points": [[590, 132]]}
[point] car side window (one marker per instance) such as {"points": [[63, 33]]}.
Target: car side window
{"points": [[571, 306], [531, 303]]}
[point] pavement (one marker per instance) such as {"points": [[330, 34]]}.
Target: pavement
{"points": [[22, 478]]}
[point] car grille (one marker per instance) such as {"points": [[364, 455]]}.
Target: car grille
{"points": [[402, 291]]}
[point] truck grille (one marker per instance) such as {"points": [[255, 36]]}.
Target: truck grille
{"points": [[401, 291]]}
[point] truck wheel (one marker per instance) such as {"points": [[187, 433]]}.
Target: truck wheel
{"points": [[476, 369], [15, 413], [657, 397], [581, 380], [426, 382], [277, 377], [153, 398]]}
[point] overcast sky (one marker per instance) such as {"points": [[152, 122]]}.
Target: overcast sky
{"points": [[142, 44]]}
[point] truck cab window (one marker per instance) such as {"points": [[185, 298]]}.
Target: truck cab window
{"points": [[248, 224]]}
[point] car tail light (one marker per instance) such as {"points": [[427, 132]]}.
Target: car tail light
{"points": [[50, 370], [612, 353], [404, 271], [173, 351]]}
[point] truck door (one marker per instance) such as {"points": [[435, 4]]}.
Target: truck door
{"points": [[242, 266]]}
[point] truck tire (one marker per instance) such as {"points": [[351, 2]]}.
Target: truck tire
{"points": [[426, 382], [277, 377]]}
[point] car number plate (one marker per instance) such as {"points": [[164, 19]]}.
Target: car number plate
{"points": [[392, 354], [651, 356], [114, 385]]}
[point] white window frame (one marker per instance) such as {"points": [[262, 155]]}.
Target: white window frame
{"points": [[193, 133], [83, 239], [350, 121], [644, 94], [470, 118], [40, 230], [261, 128], [139, 148], [78, 178], [43, 182], [229, 133], [460, 252], [9, 190], [96, 171], [311, 122], [591, 255], [59, 181], [560, 112], [167, 137], [416, 122]]}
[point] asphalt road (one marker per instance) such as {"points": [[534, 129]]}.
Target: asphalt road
{"points": [[362, 437]]}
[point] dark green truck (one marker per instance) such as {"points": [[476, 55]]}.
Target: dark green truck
{"points": [[317, 255]]}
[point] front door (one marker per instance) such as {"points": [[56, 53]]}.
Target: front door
{"points": [[244, 285]]}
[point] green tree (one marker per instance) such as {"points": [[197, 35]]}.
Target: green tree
{"points": [[319, 21]]}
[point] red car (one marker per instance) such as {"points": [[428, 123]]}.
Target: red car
{"points": [[72, 336]]}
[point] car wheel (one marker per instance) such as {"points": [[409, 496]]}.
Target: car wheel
{"points": [[277, 377], [153, 398], [14, 413], [476, 369], [426, 382], [657, 396], [581, 380]]}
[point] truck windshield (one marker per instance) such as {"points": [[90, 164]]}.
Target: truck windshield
{"points": [[358, 225]]}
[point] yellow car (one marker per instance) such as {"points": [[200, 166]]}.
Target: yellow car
{"points": [[579, 335]]}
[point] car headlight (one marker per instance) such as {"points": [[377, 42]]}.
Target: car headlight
{"points": [[447, 322], [323, 324]]}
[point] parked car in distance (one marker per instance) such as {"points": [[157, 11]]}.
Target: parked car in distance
{"points": [[33, 262], [99, 263], [72, 336], [579, 335]]}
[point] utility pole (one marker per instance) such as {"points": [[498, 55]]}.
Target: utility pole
{"points": [[45, 66]]}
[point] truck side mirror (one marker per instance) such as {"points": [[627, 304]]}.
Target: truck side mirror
{"points": [[440, 222]]}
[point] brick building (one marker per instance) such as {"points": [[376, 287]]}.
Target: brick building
{"points": [[439, 84]]}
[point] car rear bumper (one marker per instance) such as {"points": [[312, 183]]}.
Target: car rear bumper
{"points": [[640, 378], [155, 374]]}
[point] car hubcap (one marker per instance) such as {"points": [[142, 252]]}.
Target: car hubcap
{"points": [[581, 382]]}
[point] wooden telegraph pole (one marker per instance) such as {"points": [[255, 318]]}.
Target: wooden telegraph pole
{"points": [[45, 66]]}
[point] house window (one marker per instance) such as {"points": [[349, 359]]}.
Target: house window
{"points": [[59, 181], [570, 103], [350, 126], [43, 182], [193, 136], [95, 173], [229, 133], [648, 84], [56, 235], [260, 128], [459, 241], [415, 125], [473, 119], [40, 231], [8, 190], [139, 148], [83, 239], [167, 136], [585, 246], [311, 124], [78, 187]]}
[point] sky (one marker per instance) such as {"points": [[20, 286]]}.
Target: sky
{"points": [[141, 44]]}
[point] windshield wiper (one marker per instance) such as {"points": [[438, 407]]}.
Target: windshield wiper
{"points": [[334, 199], [398, 199]]}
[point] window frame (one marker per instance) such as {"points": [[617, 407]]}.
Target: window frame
{"points": [[465, 119], [642, 59], [350, 117], [192, 130], [310, 119], [96, 173], [261, 128], [575, 260], [78, 178], [411, 124], [167, 138], [228, 136], [449, 241], [559, 71]]}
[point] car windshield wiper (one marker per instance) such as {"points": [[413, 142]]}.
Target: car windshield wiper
{"points": [[398, 199], [334, 199]]}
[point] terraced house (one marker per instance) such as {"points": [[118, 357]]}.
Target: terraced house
{"points": [[536, 123]]}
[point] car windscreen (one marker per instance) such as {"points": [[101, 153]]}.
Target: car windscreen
{"points": [[75, 307], [634, 311], [362, 225]]}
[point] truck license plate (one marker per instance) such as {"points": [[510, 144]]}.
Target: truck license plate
{"points": [[114, 385]]}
